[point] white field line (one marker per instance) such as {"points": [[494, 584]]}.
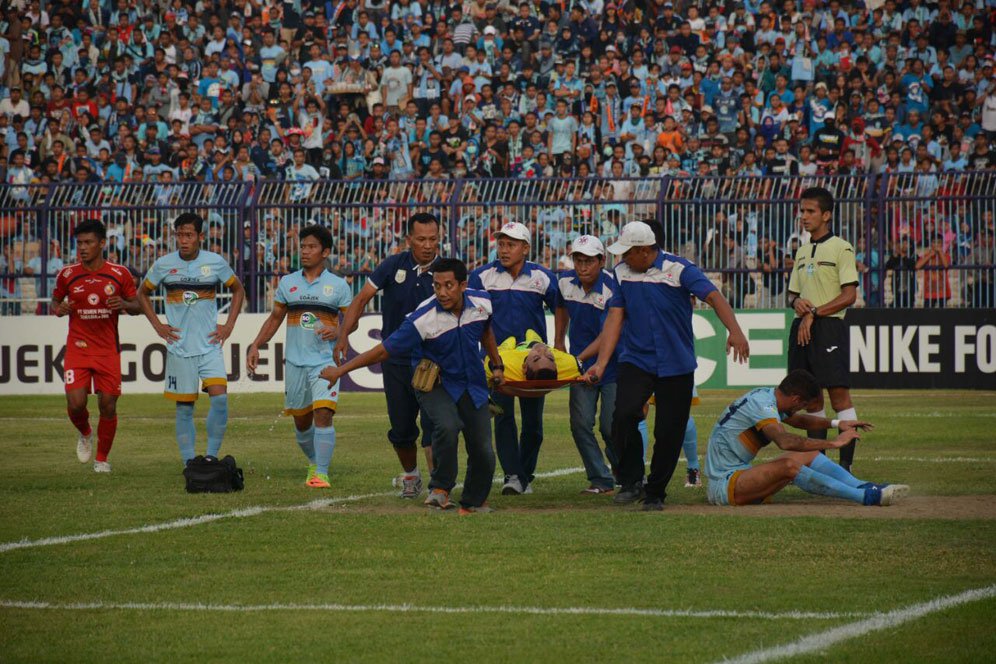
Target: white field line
{"points": [[240, 513], [413, 608], [820, 641], [935, 459]]}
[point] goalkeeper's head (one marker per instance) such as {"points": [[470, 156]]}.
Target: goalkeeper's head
{"points": [[540, 364]]}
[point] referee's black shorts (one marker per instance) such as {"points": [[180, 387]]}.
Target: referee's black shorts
{"points": [[828, 354]]}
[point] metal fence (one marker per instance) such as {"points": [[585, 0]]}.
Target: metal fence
{"points": [[921, 239]]}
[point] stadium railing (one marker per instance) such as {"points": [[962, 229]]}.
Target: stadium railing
{"points": [[743, 231]]}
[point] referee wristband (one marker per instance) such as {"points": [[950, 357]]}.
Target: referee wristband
{"points": [[834, 424]]}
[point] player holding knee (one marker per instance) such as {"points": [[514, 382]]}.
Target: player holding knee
{"points": [[93, 293], [191, 277], [312, 300], [755, 420]]}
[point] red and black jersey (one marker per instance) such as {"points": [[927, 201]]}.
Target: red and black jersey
{"points": [[93, 326]]}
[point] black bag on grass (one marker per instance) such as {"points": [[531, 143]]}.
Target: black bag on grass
{"points": [[208, 474]]}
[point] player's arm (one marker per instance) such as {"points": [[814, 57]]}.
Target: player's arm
{"points": [[813, 423], [266, 332], [560, 321], [791, 442], [60, 306], [351, 320], [167, 332], [222, 332]]}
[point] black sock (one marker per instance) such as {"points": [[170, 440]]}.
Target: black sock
{"points": [[847, 455]]}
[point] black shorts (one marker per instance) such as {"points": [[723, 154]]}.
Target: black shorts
{"points": [[828, 354]]}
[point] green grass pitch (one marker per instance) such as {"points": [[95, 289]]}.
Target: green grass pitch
{"points": [[373, 578]]}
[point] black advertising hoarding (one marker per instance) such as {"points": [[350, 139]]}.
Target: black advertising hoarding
{"points": [[923, 348]]}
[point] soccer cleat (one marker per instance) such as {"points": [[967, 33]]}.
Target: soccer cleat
{"points": [[528, 490], [693, 479], [893, 493], [629, 494], [312, 469], [84, 447], [466, 510], [440, 499], [319, 481], [411, 485], [512, 486], [597, 490], [101, 467], [653, 504]]}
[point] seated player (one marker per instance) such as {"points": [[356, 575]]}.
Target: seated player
{"points": [[534, 361], [755, 420]]}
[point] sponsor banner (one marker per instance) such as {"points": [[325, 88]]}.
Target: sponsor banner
{"points": [[890, 348]]}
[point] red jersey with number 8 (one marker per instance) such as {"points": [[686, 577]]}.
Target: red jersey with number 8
{"points": [[93, 326]]}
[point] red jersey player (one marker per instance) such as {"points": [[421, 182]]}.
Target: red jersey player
{"points": [[93, 293]]}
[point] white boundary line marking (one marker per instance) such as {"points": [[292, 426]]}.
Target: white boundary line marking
{"points": [[241, 513], [823, 640], [412, 608]]}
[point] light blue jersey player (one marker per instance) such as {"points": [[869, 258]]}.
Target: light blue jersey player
{"points": [[312, 300], [755, 420], [191, 277]]}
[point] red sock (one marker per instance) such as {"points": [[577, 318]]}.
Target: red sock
{"points": [[81, 421], [105, 436]]}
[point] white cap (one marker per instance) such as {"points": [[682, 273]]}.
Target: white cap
{"points": [[634, 234], [516, 231], [490, 30], [589, 245]]}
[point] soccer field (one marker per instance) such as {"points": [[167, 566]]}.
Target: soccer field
{"points": [[128, 567]]}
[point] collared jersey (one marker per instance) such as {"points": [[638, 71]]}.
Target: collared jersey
{"points": [[736, 439], [518, 303], [93, 326], [822, 268], [311, 307], [657, 329], [587, 312], [404, 288], [453, 342], [191, 288]]}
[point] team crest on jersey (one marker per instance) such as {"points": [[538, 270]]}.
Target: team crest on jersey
{"points": [[308, 320], [400, 276], [189, 297], [93, 298], [109, 289], [293, 289], [327, 290], [174, 271], [206, 270]]}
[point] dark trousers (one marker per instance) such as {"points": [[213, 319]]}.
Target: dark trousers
{"points": [[403, 407], [674, 401], [451, 418], [518, 455]]}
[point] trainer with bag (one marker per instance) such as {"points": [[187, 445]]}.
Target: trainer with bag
{"points": [[447, 331]]}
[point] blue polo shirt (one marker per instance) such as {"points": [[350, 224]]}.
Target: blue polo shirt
{"points": [[454, 343], [587, 311], [403, 290], [518, 303], [657, 329]]}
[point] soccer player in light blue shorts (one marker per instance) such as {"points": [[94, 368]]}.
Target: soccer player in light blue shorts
{"points": [[755, 420], [191, 277], [312, 300]]}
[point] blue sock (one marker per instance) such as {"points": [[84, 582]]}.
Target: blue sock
{"points": [[217, 422], [691, 444], [324, 446], [185, 431], [642, 428], [823, 464], [306, 441], [811, 481]]}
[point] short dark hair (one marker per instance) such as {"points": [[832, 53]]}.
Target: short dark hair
{"points": [[454, 265], [800, 383], [532, 373], [822, 196], [318, 232], [94, 226], [189, 218], [421, 218]]}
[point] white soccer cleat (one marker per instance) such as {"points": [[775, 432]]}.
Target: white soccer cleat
{"points": [[512, 486], [101, 467], [894, 493], [84, 447]]}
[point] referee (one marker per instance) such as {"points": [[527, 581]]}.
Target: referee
{"points": [[405, 280], [824, 283]]}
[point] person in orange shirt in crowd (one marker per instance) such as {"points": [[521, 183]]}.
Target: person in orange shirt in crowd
{"points": [[671, 139], [936, 285]]}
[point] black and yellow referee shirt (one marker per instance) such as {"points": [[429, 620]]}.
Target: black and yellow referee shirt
{"points": [[822, 268]]}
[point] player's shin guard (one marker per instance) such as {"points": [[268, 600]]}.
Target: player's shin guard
{"points": [[811, 481], [690, 444], [106, 428], [847, 452], [825, 466], [324, 446], [217, 423], [306, 441], [185, 431], [81, 421]]}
